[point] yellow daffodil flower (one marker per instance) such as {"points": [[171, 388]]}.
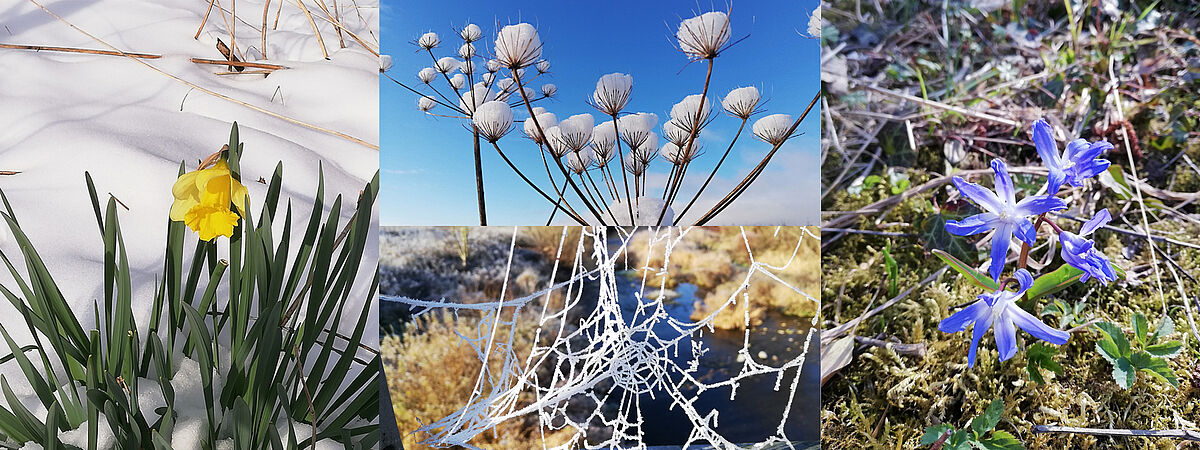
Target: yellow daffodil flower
{"points": [[202, 199]]}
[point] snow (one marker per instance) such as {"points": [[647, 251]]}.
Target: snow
{"points": [[130, 126]]}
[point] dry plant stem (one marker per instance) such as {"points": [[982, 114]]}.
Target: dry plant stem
{"points": [[753, 175], [232, 35], [1021, 262], [924, 102], [325, 8], [209, 91], [829, 335], [205, 20], [266, 10], [673, 190], [1187, 435], [479, 178], [714, 171], [557, 161], [603, 202], [316, 30], [312, 409], [561, 190], [42, 48], [238, 64], [587, 190], [278, 11], [531, 184], [448, 83], [341, 28], [621, 164]]}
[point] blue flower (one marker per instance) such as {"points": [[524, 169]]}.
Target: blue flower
{"points": [[1082, 254], [999, 309], [1002, 213], [1079, 162]]}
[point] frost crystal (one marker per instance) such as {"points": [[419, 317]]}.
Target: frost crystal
{"points": [[597, 371]]}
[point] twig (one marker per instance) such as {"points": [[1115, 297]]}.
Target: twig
{"points": [[317, 31], [836, 332], [940, 105], [44, 48], [209, 91], [917, 349], [1188, 435], [238, 64]]}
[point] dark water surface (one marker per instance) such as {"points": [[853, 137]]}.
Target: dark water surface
{"points": [[757, 409]]}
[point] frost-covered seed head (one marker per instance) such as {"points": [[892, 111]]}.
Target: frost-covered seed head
{"points": [[385, 63], [493, 66], [604, 140], [635, 128], [426, 75], [466, 51], [676, 133], [506, 85], [576, 131], [612, 93], [429, 41], [675, 154], [426, 103], [471, 33], [555, 143], [478, 95], [446, 65], [703, 36], [814, 23], [493, 119], [518, 46], [543, 66], [741, 102], [647, 150], [488, 78], [467, 66], [686, 111], [634, 165], [773, 128], [549, 90], [458, 81], [579, 161], [545, 119], [538, 110]]}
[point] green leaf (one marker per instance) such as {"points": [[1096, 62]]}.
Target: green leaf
{"points": [[1041, 356], [1140, 328], [1164, 328], [974, 276], [1118, 337], [1160, 369], [989, 419], [1062, 278], [1002, 440], [933, 433], [1169, 349], [1124, 373]]}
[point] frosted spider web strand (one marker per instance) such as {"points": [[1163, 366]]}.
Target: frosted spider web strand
{"points": [[609, 351]]}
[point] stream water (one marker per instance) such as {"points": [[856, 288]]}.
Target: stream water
{"points": [[757, 409]]}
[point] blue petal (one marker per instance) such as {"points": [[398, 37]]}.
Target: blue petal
{"points": [[1087, 170], [1039, 204], [1035, 327], [1047, 148], [1055, 180], [1004, 184], [1101, 218], [1024, 279], [1006, 336], [1025, 232], [981, 195], [981, 327], [1075, 150], [1092, 151], [960, 320], [1073, 243], [1000, 242], [972, 225]]}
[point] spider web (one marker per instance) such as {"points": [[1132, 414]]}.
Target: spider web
{"points": [[609, 357]]}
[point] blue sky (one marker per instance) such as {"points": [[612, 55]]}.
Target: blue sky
{"points": [[427, 162]]}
